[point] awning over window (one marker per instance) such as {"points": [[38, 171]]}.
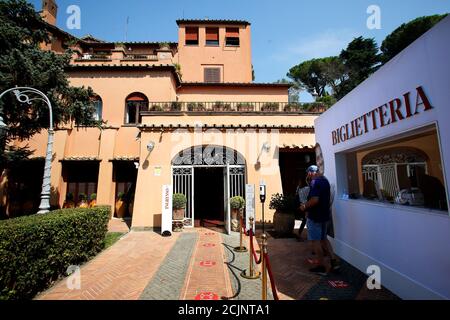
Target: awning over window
{"points": [[212, 34], [232, 33], [191, 33]]}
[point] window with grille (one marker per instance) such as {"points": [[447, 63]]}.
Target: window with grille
{"points": [[211, 74]]}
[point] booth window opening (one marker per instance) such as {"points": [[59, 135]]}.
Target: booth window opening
{"points": [[407, 170]]}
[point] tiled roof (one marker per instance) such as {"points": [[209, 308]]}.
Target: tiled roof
{"points": [[81, 159], [90, 38], [231, 84], [250, 126], [215, 21], [147, 42], [126, 158], [294, 146], [110, 65], [97, 66]]}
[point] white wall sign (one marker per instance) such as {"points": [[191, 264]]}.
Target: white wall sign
{"points": [[249, 204], [166, 220]]}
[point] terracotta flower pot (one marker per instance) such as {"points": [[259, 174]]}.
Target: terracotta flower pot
{"points": [[93, 203], [178, 214], [120, 208], [235, 220], [283, 223]]}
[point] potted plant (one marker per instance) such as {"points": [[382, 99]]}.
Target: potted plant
{"points": [[195, 106], [120, 205], [292, 107], [178, 205], [93, 201], [69, 203], [175, 106], [156, 107], [82, 201], [164, 46], [270, 106], [245, 106], [237, 204], [284, 217]]}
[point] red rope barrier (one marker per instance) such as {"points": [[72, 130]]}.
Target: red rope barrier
{"points": [[272, 280], [257, 261]]}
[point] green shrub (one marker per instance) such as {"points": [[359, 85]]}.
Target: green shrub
{"points": [[36, 250], [179, 201], [237, 202]]}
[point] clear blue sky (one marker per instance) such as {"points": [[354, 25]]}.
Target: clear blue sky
{"points": [[284, 32]]}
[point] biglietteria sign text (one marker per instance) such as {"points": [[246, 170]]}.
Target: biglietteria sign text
{"points": [[395, 110]]}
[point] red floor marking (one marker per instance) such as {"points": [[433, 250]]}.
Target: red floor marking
{"points": [[338, 284], [209, 245], [207, 263], [207, 296]]}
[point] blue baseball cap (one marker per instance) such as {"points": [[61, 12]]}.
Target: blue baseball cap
{"points": [[312, 169]]}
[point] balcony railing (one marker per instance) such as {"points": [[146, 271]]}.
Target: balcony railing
{"points": [[219, 106], [95, 57], [140, 57]]}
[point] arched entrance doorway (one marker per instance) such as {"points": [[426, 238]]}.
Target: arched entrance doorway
{"points": [[208, 176]]}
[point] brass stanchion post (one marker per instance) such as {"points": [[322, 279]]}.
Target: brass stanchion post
{"points": [[264, 267], [241, 247], [250, 273]]}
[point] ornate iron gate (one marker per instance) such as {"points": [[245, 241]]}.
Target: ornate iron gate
{"points": [[207, 156]]}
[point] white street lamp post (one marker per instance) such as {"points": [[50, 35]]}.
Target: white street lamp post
{"points": [[21, 94]]}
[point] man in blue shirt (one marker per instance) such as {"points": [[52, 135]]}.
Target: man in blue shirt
{"points": [[318, 213]]}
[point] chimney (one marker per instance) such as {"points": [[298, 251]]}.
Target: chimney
{"points": [[49, 11]]}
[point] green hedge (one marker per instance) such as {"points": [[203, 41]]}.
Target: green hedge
{"points": [[36, 250]]}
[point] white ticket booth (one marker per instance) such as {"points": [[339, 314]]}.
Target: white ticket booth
{"points": [[386, 147]]}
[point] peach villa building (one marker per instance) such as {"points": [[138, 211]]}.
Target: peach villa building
{"points": [[163, 104]]}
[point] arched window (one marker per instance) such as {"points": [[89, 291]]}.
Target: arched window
{"points": [[134, 105], [98, 105]]}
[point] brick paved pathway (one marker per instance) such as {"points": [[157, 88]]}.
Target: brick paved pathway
{"points": [[199, 263], [120, 272]]}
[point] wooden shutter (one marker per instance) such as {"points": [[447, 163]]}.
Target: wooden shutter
{"points": [[212, 74], [212, 34], [191, 33]]}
